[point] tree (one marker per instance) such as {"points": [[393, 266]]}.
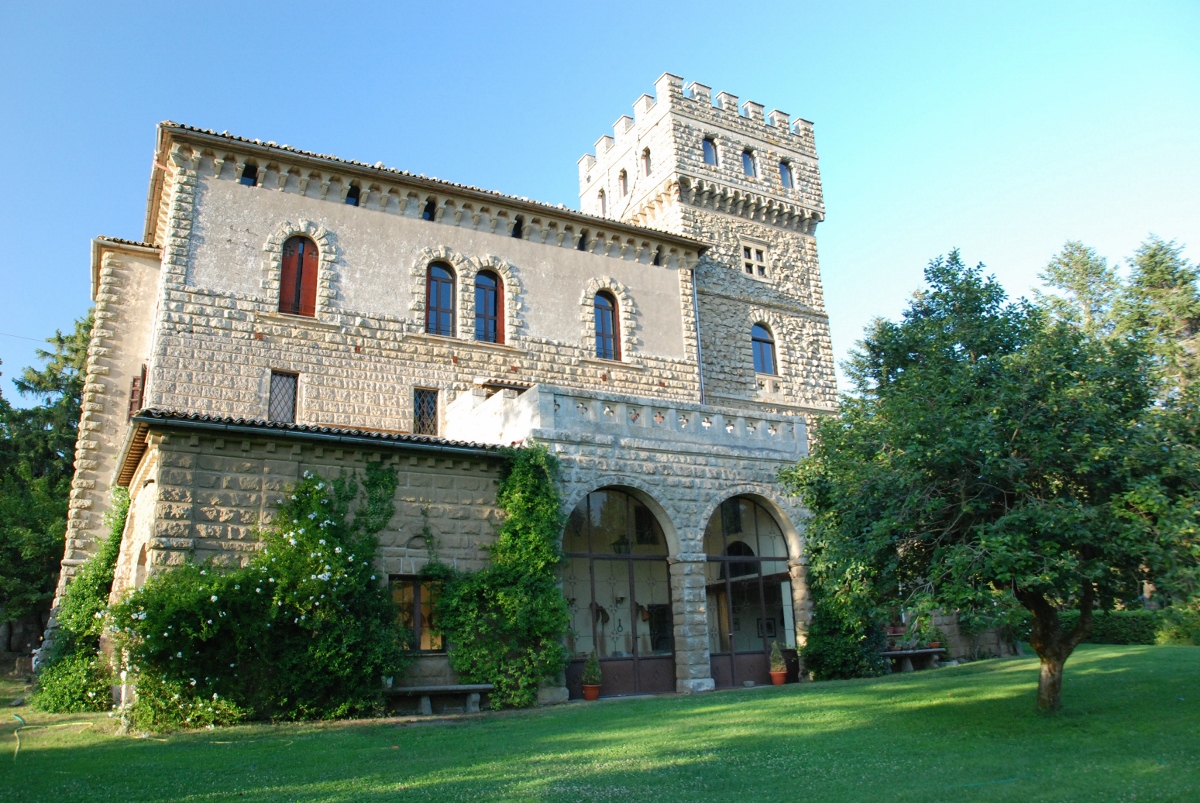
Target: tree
{"points": [[977, 461], [1088, 286], [37, 454]]}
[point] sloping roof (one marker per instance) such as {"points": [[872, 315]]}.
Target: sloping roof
{"points": [[379, 167], [152, 418], [120, 241]]}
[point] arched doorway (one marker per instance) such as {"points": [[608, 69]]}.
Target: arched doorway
{"points": [[749, 592], [618, 589]]}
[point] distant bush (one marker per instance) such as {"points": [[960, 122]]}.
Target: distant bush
{"points": [[842, 646], [1179, 626]]}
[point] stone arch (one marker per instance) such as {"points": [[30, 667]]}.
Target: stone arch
{"points": [[328, 254], [627, 313], [465, 270], [644, 493], [785, 511], [136, 540]]}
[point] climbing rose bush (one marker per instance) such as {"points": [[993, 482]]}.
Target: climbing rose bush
{"points": [[305, 631]]}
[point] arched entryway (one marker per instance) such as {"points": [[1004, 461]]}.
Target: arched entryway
{"points": [[618, 589], [748, 590]]}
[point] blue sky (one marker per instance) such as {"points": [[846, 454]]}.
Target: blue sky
{"points": [[1003, 129]]}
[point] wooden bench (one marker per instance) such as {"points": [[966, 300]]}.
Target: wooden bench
{"points": [[425, 695], [925, 656]]}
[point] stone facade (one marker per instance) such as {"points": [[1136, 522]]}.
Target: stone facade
{"points": [[680, 422]]}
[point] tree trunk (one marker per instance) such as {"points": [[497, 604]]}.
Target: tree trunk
{"points": [[1051, 644]]}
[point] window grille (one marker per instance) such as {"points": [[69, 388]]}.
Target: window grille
{"points": [[764, 349], [439, 300], [425, 412], [607, 337], [282, 405]]}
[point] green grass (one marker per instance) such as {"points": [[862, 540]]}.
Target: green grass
{"points": [[1130, 729]]}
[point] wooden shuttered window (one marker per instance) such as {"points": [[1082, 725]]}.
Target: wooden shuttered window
{"points": [[298, 277]]}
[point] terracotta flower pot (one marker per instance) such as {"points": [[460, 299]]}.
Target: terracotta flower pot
{"points": [[933, 645], [778, 678], [591, 692]]}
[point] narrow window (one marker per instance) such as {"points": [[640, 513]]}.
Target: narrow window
{"points": [[760, 263], [764, 349], [657, 256], [608, 345], [281, 406], [603, 204], [623, 180], [137, 392], [710, 151], [582, 240], [439, 300], [785, 174], [489, 308], [249, 175], [415, 600], [646, 162], [430, 210], [748, 164], [748, 259], [298, 277], [425, 412], [518, 228], [352, 195]]}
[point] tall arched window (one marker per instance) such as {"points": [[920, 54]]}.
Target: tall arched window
{"points": [[748, 166], [439, 300], [489, 308], [608, 341], [603, 204], [646, 162], [764, 349], [298, 277], [710, 151], [623, 181], [785, 174]]}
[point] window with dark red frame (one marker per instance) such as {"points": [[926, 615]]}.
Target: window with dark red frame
{"points": [[439, 300], [608, 346], [489, 308], [298, 277]]}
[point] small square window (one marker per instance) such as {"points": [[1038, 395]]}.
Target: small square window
{"points": [[281, 407], [425, 412], [754, 261]]}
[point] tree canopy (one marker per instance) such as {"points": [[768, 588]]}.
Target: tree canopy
{"points": [[983, 458]]}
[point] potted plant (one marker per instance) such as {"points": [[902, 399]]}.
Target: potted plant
{"points": [[778, 665], [591, 677]]}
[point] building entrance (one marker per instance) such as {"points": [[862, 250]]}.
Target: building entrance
{"points": [[749, 592], [618, 589]]}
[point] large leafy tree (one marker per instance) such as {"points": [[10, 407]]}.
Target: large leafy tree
{"points": [[37, 454], [977, 461]]}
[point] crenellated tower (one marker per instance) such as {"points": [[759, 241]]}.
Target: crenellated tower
{"points": [[748, 183]]}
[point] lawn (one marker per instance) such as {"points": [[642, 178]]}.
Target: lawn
{"points": [[1130, 729]]}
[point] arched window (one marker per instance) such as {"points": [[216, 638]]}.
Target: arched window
{"points": [[785, 174], [710, 151], [489, 308], [603, 204], [439, 300], [430, 210], [764, 349], [249, 175], [518, 227], [608, 345], [748, 166], [623, 181], [352, 195], [646, 162], [298, 277]]}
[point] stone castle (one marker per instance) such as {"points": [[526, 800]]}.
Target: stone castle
{"points": [[288, 311]]}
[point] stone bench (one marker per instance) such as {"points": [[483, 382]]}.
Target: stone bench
{"points": [[425, 695], [925, 656]]}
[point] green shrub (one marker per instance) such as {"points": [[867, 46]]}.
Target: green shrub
{"points": [[505, 623], [592, 676], [842, 646], [81, 612], [76, 682], [1179, 625], [1117, 627], [304, 631]]}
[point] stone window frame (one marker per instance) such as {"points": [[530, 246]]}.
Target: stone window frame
{"points": [[627, 315], [753, 243], [779, 330], [465, 270], [328, 255]]}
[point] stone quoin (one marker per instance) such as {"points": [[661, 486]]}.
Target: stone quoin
{"points": [[289, 311]]}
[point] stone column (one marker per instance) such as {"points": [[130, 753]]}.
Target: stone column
{"points": [[693, 671], [801, 599]]}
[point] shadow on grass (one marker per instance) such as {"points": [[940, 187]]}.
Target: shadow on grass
{"points": [[968, 731]]}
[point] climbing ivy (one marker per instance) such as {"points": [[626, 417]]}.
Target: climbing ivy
{"points": [[505, 623]]}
